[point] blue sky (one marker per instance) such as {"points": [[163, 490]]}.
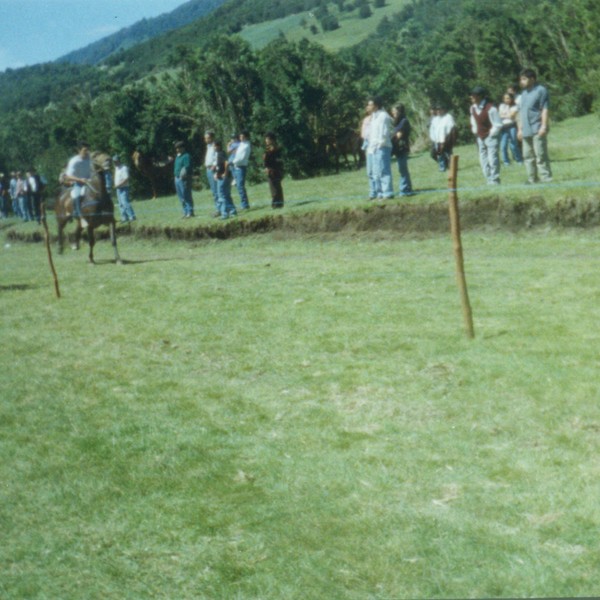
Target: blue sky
{"points": [[35, 31]]}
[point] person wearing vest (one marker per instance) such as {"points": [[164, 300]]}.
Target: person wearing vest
{"points": [[486, 125]]}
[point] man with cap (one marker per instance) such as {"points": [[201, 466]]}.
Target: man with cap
{"points": [[486, 124], [122, 186]]}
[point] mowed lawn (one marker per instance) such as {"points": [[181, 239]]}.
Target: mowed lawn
{"points": [[302, 418]]}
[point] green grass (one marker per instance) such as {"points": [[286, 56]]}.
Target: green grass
{"points": [[301, 418], [352, 28], [282, 416]]}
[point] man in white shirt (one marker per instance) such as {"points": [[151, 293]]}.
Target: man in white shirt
{"points": [[486, 124], [79, 173], [240, 167], [442, 132], [210, 164], [122, 186], [380, 148]]}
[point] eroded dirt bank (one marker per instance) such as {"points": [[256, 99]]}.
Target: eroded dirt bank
{"points": [[404, 218]]}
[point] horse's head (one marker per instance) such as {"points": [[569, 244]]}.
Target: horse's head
{"points": [[101, 161]]}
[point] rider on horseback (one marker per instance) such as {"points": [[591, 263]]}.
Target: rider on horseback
{"points": [[79, 173]]}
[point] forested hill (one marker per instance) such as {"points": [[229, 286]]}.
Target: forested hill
{"points": [[141, 31], [205, 75]]}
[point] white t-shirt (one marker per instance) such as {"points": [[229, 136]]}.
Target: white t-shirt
{"points": [[121, 176]]}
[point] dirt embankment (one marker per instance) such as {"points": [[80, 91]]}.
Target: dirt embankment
{"points": [[404, 218]]}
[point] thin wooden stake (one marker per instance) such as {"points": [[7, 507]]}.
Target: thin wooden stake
{"points": [[458, 253], [48, 250]]}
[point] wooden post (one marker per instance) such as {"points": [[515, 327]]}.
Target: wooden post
{"points": [[48, 250], [458, 253]]}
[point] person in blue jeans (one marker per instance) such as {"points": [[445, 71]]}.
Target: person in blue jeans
{"points": [[121, 182], [240, 167], [183, 180], [380, 147], [223, 179], [509, 113], [401, 147]]}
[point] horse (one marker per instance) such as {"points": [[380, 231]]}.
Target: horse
{"points": [[158, 173], [97, 209], [339, 146]]}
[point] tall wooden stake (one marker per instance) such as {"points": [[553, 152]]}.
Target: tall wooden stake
{"points": [[458, 253], [47, 238]]}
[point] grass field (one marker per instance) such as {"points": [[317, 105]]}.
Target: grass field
{"points": [[303, 417], [352, 29]]}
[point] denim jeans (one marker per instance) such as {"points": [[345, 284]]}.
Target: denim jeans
{"points": [[489, 159], [24, 208], [239, 174], [125, 207], [184, 193], [77, 192], [405, 182], [509, 136], [382, 172], [212, 184], [226, 205], [370, 176]]}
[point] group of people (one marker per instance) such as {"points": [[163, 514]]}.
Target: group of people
{"points": [[78, 175], [227, 166], [21, 193], [519, 119], [519, 124], [518, 127], [385, 136]]}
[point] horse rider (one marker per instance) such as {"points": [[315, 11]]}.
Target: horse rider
{"points": [[79, 173]]}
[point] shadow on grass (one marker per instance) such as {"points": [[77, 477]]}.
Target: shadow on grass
{"points": [[111, 261], [18, 287]]}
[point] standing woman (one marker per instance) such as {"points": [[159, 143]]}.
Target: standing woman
{"points": [[509, 113], [274, 169], [401, 147]]}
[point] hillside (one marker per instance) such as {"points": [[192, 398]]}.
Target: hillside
{"points": [[205, 75], [352, 28], [140, 32]]}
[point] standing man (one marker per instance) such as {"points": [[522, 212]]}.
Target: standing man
{"points": [[183, 180], [34, 187], [210, 164], [365, 127], [533, 128], [79, 173], [3, 197], [122, 187], [240, 167], [486, 124], [443, 135], [12, 192], [380, 147]]}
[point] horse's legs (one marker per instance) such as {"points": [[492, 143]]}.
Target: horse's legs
{"points": [[92, 241], [78, 230], [113, 241], [61, 235]]}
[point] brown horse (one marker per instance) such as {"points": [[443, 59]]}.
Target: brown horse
{"points": [[96, 209], [158, 173]]}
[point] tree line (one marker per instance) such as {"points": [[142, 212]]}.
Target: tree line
{"points": [[432, 51]]}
